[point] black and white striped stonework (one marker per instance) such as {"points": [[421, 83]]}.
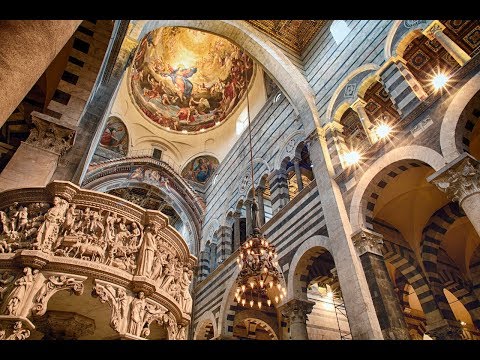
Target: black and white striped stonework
{"points": [[433, 236], [397, 80], [380, 181]]}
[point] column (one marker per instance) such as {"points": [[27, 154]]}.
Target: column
{"points": [[225, 248], [390, 316], [248, 220], [404, 89], [333, 134], [64, 325], [261, 206], [435, 31], [296, 310], [278, 190], [460, 180], [27, 47], [204, 263], [236, 230], [361, 313], [298, 173], [36, 159], [359, 107]]}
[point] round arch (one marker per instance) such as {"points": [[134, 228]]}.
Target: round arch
{"points": [[451, 118], [285, 149], [259, 318], [364, 68], [202, 323], [312, 243], [414, 152], [274, 61]]}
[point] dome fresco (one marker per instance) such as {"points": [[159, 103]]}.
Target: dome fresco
{"points": [[188, 80]]}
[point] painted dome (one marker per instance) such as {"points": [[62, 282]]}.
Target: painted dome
{"points": [[187, 80]]}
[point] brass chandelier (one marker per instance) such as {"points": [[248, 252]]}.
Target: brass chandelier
{"points": [[259, 277]]}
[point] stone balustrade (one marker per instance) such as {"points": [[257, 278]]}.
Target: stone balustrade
{"points": [[54, 238]]}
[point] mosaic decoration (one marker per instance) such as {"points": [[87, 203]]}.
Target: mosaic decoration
{"points": [[200, 169], [189, 80], [115, 136]]}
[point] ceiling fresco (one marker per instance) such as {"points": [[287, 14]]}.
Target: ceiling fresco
{"points": [[187, 80]]}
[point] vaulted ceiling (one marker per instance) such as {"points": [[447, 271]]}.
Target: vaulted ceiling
{"points": [[296, 35]]}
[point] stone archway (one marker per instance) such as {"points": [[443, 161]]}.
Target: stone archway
{"points": [[206, 328], [414, 153]]}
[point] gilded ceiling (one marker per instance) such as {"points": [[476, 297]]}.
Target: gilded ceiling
{"points": [[294, 34], [188, 80]]}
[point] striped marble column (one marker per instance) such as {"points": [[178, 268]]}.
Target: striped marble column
{"points": [[278, 190]]}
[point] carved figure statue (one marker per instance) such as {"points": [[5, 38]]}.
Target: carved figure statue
{"points": [[137, 314], [54, 217], [147, 251], [22, 284]]}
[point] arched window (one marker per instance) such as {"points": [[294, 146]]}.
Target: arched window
{"points": [[339, 30]]}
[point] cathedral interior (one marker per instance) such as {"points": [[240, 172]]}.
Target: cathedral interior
{"points": [[239, 179]]}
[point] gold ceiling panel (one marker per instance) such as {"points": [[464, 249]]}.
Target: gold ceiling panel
{"points": [[294, 34]]}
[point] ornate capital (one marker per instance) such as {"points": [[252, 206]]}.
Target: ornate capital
{"points": [[49, 134], [459, 179], [434, 27], [296, 310], [333, 126], [366, 240], [316, 135], [359, 103], [14, 328], [64, 325]]}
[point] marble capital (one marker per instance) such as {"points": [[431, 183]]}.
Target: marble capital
{"points": [[50, 134], [434, 27], [366, 240], [297, 309], [459, 179]]}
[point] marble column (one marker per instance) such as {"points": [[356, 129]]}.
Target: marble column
{"points": [[36, 159], [278, 190], [362, 317], [261, 205], [435, 31], [27, 47], [298, 173], [460, 180], [64, 325], [248, 216], [390, 316], [359, 107], [225, 248], [236, 230], [297, 310]]}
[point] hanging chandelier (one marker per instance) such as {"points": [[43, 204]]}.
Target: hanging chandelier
{"points": [[259, 279]]}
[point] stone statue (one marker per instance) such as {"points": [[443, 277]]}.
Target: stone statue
{"points": [[22, 285], [70, 216], [22, 219], [48, 232], [5, 281], [160, 262], [169, 275], [185, 281], [137, 314], [147, 251], [135, 235]]}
